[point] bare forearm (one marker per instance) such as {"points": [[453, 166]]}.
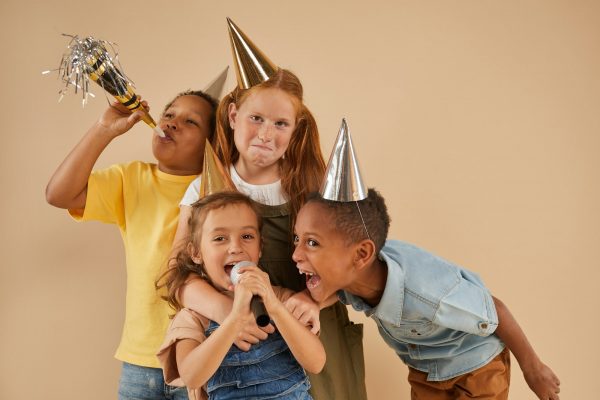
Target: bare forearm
{"points": [[540, 378], [201, 297], [306, 346], [196, 365], [67, 187], [513, 336]]}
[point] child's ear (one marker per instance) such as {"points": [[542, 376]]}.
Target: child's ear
{"points": [[365, 251], [232, 113], [194, 255]]}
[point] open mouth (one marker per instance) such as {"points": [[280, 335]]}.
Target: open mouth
{"points": [[228, 267], [312, 280]]}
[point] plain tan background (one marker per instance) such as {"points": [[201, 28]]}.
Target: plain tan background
{"points": [[478, 120]]}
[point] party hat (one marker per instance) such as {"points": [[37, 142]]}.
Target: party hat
{"points": [[252, 65], [343, 180], [215, 88], [214, 178]]}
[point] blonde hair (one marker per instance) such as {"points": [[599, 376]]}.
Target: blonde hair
{"points": [[302, 167]]}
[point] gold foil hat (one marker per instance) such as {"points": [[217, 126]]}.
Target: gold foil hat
{"points": [[252, 66], [214, 178], [343, 180], [215, 88]]}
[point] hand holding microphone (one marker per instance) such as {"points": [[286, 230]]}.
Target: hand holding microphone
{"points": [[256, 304]]}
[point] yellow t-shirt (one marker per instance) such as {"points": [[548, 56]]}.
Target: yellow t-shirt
{"points": [[144, 203]]}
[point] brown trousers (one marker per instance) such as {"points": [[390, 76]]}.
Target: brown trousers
{"points": [[489, 382]]}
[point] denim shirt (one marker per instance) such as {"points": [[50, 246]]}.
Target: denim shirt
{"points": [[438, 317]]}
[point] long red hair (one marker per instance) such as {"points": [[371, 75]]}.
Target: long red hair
{"points": [[302, 167]]}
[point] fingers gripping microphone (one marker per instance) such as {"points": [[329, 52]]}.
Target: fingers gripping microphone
{"points": [[256, 304]]}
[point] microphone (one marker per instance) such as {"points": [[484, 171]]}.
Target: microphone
{"points": [[256, 304]]}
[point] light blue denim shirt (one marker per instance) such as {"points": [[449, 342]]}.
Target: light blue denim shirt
{"points": [[438, 317]]}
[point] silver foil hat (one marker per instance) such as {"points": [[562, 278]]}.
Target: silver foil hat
{"points": [[343, 180], [215, 88]]}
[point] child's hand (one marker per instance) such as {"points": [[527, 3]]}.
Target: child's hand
{"points": [[542, 381], [117, 119], [252, 334], [257, 281], [241, 301], [305, 310]]}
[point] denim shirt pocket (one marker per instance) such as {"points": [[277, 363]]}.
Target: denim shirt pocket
{"points": [[419, 329]]}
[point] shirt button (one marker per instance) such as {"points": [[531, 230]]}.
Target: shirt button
{"points": [[483, 325]]}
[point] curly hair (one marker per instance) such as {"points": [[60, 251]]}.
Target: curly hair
{"points": [[347, 217]]}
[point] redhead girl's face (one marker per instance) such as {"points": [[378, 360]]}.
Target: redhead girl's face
{"points": [[229, 234], [263, 126]]}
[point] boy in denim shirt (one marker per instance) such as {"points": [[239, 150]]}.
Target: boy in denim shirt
{"points": [[439, 318]]}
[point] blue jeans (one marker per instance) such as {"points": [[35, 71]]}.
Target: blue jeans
{"points": [[144, 383]]}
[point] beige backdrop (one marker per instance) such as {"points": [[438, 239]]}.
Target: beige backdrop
{"points": [[478, 120]]}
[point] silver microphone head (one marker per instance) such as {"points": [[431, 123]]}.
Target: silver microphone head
{"points": [[235, 275]]}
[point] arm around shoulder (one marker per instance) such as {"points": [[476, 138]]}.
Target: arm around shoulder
{"points": [[305, 345]]}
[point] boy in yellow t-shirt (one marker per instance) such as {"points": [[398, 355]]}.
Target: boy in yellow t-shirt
{"points": [[142, 200]]}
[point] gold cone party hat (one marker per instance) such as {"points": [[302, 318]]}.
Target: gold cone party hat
{"points": [[343, 180], [252, 66], [214, 178], [215, 88]]}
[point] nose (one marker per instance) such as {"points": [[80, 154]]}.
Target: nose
{"points": [[234, 246], [171, 126], [297, 255], [265, 134]]}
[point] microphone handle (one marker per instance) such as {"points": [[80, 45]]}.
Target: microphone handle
{"points": [[260, 313]]}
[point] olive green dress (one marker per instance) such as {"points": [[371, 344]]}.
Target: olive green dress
{"points": [[343, 377]]}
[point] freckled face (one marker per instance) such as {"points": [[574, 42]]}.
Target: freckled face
{"points": [[321, 252], [263, 126], [229, 235]]}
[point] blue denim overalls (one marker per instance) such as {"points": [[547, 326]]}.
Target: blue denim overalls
{"points": [[267, 371]]}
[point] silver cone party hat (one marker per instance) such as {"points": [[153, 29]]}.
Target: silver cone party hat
{"points": [[215, 88], [343, 180]]}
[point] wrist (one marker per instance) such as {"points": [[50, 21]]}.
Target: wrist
{"points": [[102, 132], [275, 308], [234, 321], [528, 364]]}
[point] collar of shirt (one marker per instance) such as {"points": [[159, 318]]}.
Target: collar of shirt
{"points": [[390, 306]]}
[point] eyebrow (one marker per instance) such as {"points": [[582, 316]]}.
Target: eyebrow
{"points": [[310, 234], [190, 111], [223, 228]]}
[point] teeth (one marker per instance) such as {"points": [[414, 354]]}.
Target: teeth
{"points": [[305, 273]]}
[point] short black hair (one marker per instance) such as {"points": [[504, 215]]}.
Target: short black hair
{"points": [[212, 123], [347, 217]]}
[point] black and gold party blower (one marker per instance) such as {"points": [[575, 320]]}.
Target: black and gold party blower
{"points": [[90, 58]]}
